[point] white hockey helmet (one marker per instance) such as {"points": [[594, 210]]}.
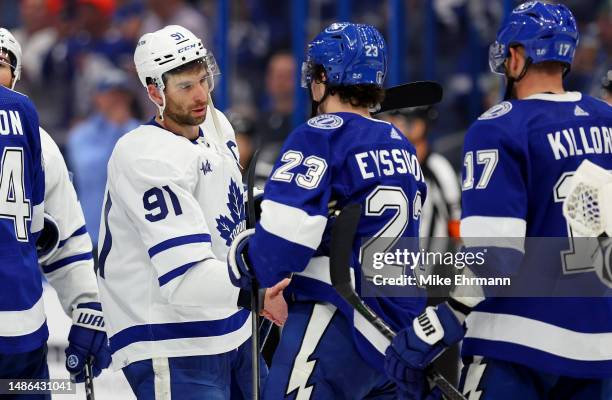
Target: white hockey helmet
{"points": [[9, 44], [166, 49]]}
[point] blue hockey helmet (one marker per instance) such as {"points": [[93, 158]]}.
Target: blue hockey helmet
{"points": [[352, 54], [548, 32]]}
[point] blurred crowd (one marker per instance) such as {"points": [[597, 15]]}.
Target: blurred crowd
{"points": [[78, 68]]}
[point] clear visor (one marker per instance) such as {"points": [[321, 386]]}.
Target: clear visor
{"points": [[497, 57], [306, 74], [5, 59], [213, 71]]}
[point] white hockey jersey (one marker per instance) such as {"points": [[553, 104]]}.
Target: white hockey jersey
{"points": [[172, 207], [70, 270]]}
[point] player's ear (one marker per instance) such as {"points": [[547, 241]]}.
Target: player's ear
{"points": [[154, 94], [515, 61]]}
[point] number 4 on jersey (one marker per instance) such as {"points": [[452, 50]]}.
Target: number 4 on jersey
{"points": [[13, 202]]}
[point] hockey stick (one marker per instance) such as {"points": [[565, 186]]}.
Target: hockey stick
{"points": [[266, 326], [89, 377], [413, 94], [341, 248], [254, 287]]}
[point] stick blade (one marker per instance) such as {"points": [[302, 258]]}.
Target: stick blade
{"points": [[413, 94]]}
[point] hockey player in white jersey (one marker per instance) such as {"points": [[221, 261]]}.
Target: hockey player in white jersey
{"points": [[64, 247], [173, 203]]}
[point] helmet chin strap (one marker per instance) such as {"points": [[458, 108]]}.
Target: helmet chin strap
{"points": [[160, 107], [509, 95], [314, 105]]}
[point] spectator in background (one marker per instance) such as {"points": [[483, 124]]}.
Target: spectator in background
{"points": [[606, 87], [174, 12], [604, 55], [88, 47], [38, 34], [244, 128], [128, 20], [274, 124], [92, 141]]}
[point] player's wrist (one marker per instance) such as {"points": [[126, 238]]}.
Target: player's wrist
{"points": [[88, 315], [459, 309]]}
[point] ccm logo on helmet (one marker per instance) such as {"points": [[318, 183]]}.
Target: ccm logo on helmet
{"points": [[191, 46]]}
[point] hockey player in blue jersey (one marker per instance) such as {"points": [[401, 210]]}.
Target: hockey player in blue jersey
{"points": [[23, 329], [338, 157], [64, 247], [519, 157]]}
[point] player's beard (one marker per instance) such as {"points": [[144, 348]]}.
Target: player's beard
{"points": [[183, 116]]}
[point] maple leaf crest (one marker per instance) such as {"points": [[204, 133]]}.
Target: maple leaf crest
{"points": [[230, 226]]}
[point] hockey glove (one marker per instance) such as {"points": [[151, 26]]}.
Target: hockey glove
{"points": [[240, 272], [418, 345], [411, 383], [87, 339]]}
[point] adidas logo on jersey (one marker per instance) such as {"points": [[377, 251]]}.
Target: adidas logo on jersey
{"points": [[579, 112], [395, 135]]}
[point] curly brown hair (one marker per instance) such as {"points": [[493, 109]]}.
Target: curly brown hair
{"points": [[363, 95]]}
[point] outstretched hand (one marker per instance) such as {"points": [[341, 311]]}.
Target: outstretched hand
{"points": [[275, 307]]}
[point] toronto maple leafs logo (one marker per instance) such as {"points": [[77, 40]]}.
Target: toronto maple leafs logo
{"points": [[230, 226]]}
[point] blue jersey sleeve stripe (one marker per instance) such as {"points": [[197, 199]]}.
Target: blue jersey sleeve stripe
{"points": [[108, 238], [81, 231], [175, 273], [66, 261], [292, 224], [179, 241], [178, 330]]}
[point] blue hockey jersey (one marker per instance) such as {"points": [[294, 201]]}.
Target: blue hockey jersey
{"points": [[518, 161], [334, 160], [22, 188]]}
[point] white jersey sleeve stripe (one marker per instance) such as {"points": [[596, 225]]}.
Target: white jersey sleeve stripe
{"points": [[292, 224], [478, 231], [178, 241]]}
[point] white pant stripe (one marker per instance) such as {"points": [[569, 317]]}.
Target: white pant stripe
{"points": [[161, 371]]}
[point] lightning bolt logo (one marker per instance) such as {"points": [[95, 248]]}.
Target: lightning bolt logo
{"points": [[472, 379], [320, 318]]}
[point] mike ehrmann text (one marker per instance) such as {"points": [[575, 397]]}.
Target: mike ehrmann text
{"points": [[438, 280]]}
